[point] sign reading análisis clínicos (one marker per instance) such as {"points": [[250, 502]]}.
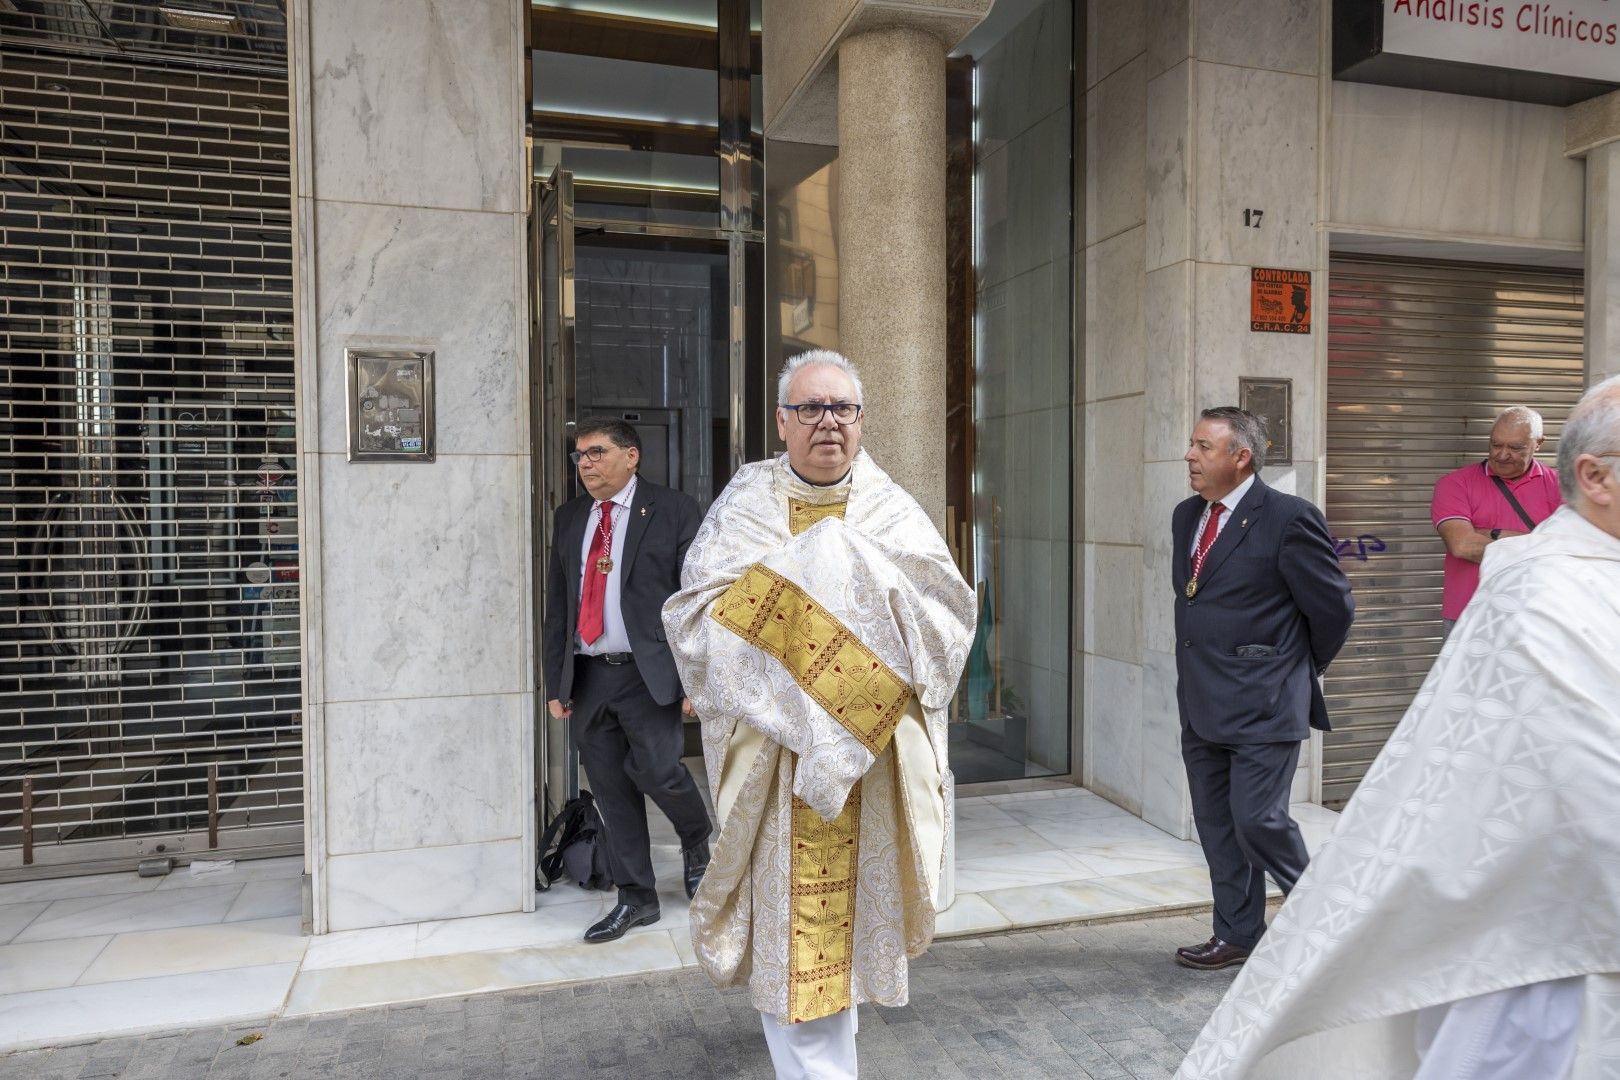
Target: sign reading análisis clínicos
{"points": [[1577, 38]]}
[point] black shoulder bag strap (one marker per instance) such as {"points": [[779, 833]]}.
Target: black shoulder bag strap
{"points": [[1507, 493], [548, 867]]}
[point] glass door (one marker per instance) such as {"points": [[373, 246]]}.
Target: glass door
{"points": [[634, 326]]}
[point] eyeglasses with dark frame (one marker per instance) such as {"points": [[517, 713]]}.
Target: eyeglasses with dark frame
{"points": [[595, 453], [811, 412]]}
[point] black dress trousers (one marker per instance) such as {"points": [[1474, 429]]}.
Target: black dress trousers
{"points": [[1240, 805], [631, 747]]}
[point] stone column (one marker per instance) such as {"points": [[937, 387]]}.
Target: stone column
{"points": [[1592, 131], [870, 76], [891, 247], [410, 185]]}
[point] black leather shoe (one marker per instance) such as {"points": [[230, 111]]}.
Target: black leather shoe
{"points": [[620, 919], [694, 860], [1211, 955]]}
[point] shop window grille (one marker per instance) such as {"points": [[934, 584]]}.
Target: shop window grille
{"points": [[150, 659]]}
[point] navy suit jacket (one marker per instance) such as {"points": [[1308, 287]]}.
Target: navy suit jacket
{"points": [[662, 524], [1271, 580]]}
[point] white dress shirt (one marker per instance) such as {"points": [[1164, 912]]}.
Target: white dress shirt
{"points": [[614, 639], [1230, 500]]}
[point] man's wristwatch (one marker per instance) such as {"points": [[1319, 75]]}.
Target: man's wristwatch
{"points": [[1496, 534]]}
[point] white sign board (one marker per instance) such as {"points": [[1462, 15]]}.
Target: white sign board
{"points": [[1576, 38]]}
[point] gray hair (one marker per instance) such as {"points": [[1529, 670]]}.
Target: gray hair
{"points": [[1523, 414], [1593, 428], [817, 358], [1248, 431]]}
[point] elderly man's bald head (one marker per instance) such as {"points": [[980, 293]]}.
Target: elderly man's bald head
{"points": [[1515, 438], [1589, 456]]}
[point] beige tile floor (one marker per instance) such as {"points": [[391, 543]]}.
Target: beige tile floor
{"points": [[96, 956]]}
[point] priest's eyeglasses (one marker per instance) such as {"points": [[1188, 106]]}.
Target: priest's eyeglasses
{"points": [[595, 453], [810, 413]]}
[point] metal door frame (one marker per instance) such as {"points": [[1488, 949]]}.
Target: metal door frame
{"points": [[554, 401]]}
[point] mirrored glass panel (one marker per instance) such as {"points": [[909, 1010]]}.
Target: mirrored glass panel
{"points": [[627, 99], [1013, 521]]}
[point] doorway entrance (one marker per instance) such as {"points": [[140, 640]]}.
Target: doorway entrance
{"points": [[646, 261], [637, 326]]}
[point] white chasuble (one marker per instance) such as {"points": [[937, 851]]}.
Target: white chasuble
{"points": [[820, 633], [1482, 851]]}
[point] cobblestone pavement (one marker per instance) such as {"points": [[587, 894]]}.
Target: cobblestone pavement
{"points": [[1101, 1001]]}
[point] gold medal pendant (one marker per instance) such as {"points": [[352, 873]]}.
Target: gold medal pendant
{"points": [[1192, 588], [604, 566]]}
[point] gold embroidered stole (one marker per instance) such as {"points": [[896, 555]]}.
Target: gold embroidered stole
{"points": [[868, 699]]}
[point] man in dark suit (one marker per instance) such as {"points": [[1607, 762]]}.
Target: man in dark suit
{"points": [[1262, 608], [615, 558]]}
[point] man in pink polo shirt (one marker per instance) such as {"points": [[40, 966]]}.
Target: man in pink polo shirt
{"points": [[1507, 494]]}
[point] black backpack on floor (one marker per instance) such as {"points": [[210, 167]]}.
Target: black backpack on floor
{"points": [[575, 846]]}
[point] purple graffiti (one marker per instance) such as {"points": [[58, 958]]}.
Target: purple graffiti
{"points": [[1359, 547]]}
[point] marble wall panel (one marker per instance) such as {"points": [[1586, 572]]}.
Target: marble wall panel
{"points": [[1375, 155], [1116, 152], [1115, 348], [1113, 726], [1168, 303], [1114, 602], [440, 279], [387, 888], [1114, 471], [1116, 32], [1169, 34], [1424, 162], [1296, 479], [423, 772], [1165, 485], [311, 535], [1282, 35], [1508, 160], [1255, 133], [1226, 348], [428, 113], [1168, 166], [422, 565], [1165, 799]]}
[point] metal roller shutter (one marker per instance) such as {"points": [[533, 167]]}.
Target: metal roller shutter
{"points": [[1421, 358], [149, 676]]}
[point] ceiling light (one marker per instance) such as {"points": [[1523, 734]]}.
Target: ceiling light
{"points": [[201, 22]]}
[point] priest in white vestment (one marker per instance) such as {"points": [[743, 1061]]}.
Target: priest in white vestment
{"points": [[820, 632], [1463, 922]]}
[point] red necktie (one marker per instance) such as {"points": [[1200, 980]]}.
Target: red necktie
{"points": [[1207, 540], [594, 589]]}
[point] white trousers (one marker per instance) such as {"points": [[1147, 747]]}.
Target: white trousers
{"points": [[814, 1050], [1527, 1033]]}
